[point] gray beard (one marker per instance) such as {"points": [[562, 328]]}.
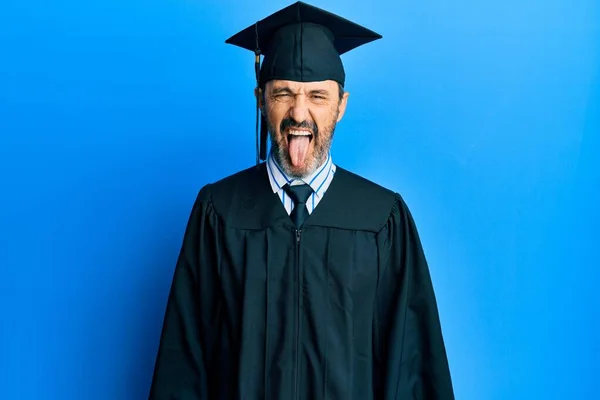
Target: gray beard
{"points": [[320, 154]]}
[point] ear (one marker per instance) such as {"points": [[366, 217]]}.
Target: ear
{"points": [[342, 106]]}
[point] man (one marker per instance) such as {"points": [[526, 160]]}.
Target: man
{"points": [[298, 279]]}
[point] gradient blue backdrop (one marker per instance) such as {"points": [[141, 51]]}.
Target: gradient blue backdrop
{"points": [[485, 115]]}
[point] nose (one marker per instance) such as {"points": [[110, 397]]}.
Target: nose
{"points": [[299, 109]]}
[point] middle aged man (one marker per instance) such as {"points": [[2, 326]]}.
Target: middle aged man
{"points": [[298, 279]]}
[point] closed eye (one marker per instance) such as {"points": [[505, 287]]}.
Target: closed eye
{"points": [[281, 92], [319, 95]]}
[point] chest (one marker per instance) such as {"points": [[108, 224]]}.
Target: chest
{"points": [[318, 260]]}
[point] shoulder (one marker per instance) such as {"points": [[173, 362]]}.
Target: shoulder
{"points": [[241, 199], [244, 181], [381, 208], [357, 185], [366, 204]]}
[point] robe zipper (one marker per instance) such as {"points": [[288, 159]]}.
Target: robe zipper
{"points": [[299, 291]]}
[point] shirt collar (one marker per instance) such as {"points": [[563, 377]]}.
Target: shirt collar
{"points": [[279, 178]]}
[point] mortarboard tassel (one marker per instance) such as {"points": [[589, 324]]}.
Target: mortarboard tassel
{"points": [[258, 113], [259, 137], [263, 138]]}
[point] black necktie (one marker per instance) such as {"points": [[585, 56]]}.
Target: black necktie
{"points": [[299, 194]]}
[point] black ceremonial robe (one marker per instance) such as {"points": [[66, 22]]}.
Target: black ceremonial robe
{"points": [[343, 309]]}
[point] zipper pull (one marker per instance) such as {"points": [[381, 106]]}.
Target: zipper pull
{"points": [[298, 233]]}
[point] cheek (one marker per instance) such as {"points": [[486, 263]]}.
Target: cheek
{"points": [[325, 119], [275, 116]]}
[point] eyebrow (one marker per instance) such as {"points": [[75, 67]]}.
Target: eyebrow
{"points": [[286, 89], [282, 90], [320, 91]]}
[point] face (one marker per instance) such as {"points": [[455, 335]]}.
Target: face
{"points": [[301, 118]]}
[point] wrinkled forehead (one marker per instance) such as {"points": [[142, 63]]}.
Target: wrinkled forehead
{"points": [[300, 87]]}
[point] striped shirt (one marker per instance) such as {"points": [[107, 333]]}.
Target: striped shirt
{"points": [[318, 180]]}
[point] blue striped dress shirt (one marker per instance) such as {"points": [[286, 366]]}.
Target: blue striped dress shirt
{"points": [[318, 180]]}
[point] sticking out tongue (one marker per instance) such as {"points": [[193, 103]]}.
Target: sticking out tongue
{"points": [[298, 148]]}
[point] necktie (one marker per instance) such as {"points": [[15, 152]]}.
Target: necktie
{"points": [[299, 195]]}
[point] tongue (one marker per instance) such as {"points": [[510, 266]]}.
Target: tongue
{"points": [[298, 147]]}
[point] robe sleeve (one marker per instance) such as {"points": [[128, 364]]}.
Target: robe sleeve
{"points": [[410, 354], [189, 326]]}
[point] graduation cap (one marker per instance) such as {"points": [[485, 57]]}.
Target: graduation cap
{"points": [[299, 43]]}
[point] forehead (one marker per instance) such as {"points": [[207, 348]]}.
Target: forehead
{"points": [[299, 87]]}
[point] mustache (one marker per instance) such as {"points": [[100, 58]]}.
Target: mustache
{"points": [[290, 123]]}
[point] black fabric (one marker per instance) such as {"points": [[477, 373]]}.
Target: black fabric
{"points": [[299, 195], [346, 310], [302, 43]]}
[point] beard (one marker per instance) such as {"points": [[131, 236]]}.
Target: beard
{"points": [[321, 141]]}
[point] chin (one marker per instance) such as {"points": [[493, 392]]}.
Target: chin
{"points": [[283, 158], [301, 171]]}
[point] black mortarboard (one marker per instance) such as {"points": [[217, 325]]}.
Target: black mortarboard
{"points": [[300, 43]]}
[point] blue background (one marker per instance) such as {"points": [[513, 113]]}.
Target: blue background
{"points": [[485, 115]]}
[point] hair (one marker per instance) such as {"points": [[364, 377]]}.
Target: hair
{"points": [[341, 90]]}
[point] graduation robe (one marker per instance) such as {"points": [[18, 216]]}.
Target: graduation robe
{"points": [[342, 309]]}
